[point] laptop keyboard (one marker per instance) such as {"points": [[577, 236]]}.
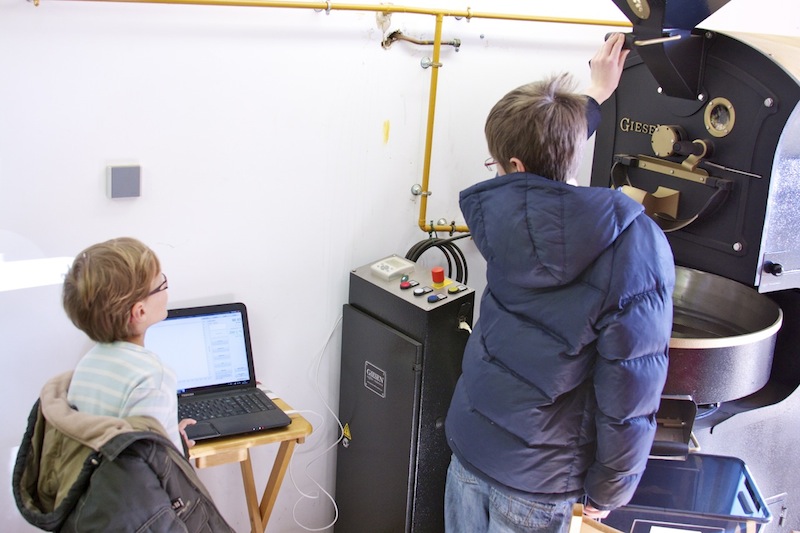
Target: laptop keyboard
{"points": [[211, 408]]}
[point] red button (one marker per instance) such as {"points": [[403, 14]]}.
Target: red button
{"points": [[437, 274]]}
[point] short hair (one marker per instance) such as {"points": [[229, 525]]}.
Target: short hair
{"points": [[103, 284], [543, 124]]}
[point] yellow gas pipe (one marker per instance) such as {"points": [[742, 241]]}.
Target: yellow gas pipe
{"points": [[437, 47]]}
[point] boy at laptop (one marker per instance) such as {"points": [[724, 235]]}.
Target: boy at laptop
{"points": [[102, 450], [113, 292]]}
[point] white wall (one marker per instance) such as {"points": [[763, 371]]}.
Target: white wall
{"points": [[266, 172]]}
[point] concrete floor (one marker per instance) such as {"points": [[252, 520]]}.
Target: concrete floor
{"points": [[766, 439]]}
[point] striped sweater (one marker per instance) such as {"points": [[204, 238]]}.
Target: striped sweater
{"points": [[122, 379]]}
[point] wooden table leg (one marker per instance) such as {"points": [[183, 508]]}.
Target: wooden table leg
{"points": [[275, 479], [237, 449], [253, 510]]}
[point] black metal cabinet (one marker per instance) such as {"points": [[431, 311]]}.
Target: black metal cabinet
{"points": [[401, 358]]}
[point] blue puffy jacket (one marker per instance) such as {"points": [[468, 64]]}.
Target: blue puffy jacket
{"points": [[563, 372]]}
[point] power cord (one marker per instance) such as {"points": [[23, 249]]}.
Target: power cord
{"points": [[316, 496], [452, 253]]}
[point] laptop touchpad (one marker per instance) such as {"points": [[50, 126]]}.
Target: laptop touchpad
{"points": [[201, 430]]}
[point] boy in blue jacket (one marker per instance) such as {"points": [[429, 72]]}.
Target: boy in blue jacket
{"points": [[563, 373]]}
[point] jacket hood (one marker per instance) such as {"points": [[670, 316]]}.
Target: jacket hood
{"points": [[90, 430], [539, 233], [60, 450]]}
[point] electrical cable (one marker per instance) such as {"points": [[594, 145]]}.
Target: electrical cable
{"points": [[452, 253], [315, 496], [316, 458]]}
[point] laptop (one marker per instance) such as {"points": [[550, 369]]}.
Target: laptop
{"points": [[208, 347]]}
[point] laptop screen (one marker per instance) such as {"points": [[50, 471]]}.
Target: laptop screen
{"points": [[207, 347]]}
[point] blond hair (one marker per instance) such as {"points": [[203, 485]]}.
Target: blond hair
{"points": [[103, 284], [543, 124]]}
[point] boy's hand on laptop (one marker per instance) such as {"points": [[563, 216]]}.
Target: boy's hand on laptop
{"points": [[182, 428]]}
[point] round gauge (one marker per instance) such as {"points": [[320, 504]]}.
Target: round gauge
{"points": [[720, 117]]}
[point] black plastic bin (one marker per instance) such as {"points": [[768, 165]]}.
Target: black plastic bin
{"points": [[704, 493]]}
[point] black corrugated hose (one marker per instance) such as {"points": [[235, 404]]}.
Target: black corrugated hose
{"points": [[452, 253]]}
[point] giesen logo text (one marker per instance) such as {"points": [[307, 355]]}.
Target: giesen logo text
{"points": [[375, 379]]}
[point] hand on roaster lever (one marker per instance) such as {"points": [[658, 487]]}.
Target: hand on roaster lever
{"points": [[607, 65], [627, 43], [631, 40]]}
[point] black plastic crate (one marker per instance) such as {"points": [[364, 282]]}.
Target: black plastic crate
{"points": [[704, 493]]}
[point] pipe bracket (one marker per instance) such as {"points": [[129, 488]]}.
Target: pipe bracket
{"points": [[427, 62], [416, 190]]}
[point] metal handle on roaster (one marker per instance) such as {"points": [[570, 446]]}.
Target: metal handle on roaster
{"points": [[668, 223]]}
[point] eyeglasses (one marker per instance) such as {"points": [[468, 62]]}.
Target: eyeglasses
{"points": [[162, 287], [489, 163]]}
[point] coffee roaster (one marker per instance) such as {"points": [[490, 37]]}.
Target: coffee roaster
{"points": [[704, 130]]}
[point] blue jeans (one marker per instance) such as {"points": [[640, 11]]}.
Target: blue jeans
{"points": [[471, 505]]}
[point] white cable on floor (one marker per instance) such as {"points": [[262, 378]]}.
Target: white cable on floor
{"points": [[315, 496]]}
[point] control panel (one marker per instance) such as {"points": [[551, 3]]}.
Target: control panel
{"points": [[401, 277]]}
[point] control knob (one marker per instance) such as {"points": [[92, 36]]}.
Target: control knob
{"points": [[776, 269]]}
